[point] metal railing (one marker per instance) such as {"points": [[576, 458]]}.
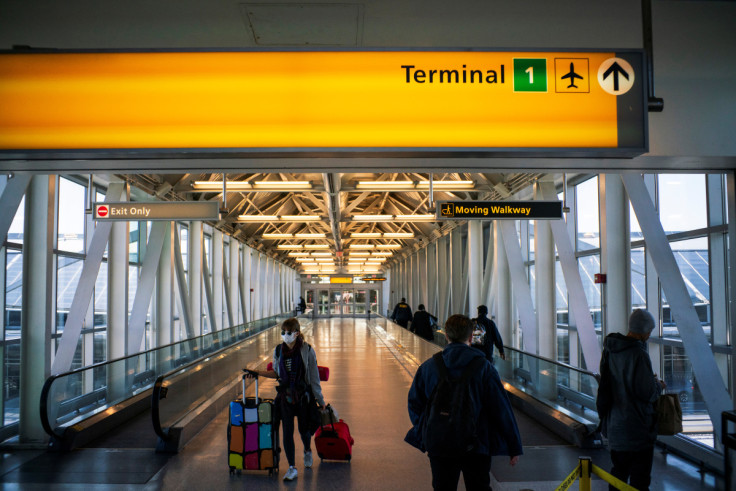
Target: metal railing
{"points": [[71, 397]]}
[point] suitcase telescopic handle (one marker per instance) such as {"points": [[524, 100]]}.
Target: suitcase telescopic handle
{"points": [[253, 374]]}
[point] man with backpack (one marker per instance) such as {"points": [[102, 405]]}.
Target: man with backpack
{"points": [[460, 412]]}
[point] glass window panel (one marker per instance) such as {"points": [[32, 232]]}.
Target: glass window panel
{"points": [[682, 202], [586, 208], [11, 385], [589, 266], [692, 258], [678, 374], [70, 236], [15, 232], [531, 239], [634, 225], [532, 284], [638, 278], [133, 246], [13, 293], [563, 346], [561, 296], [100, 309], [68, 272]]}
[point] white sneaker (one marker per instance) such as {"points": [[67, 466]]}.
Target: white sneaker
{"points": [[308, 459], [290, 474]]}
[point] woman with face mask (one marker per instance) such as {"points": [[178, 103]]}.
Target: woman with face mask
{"points": [[295, 366]]}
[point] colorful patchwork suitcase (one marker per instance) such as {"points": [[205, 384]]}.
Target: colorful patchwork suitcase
{"points": [[252, 434]]}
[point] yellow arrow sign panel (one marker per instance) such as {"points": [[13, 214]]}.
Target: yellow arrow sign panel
{"points": [[306, 100]]}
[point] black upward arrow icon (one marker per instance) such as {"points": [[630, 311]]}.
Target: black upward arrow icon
{"points": [[616, 70]]}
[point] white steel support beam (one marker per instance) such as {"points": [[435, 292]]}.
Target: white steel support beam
{"points": [[520, 285], [165, 292], [578, 302], [475, 265], [117, 290], [488, 269], [544, 268], [615, 253], [207, 280], [504, 310], [456, 272], [144, 291], [181, 281], [694, 341], [38, 304], [85, 289], [231, 282], [218, 277], [245, 283], [731, 204], [194, 278], [11, 194], [443, 279], [432, 283]]}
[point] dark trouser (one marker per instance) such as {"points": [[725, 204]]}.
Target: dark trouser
{"points": [[476, 471], [634, 468], [403, 323], [301, 412]]}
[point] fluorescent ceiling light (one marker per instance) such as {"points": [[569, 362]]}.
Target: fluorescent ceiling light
{"points": [[381, 185], [304, 260], [372, 218], [310, 236], [258, 218], [365, 235], [301, 218], [289, 246], [317, 246], [398, 235], [416, 218], [382, 253], [414, 185], [324, 260], [362, 246], [282, 185], [236, 186], [277, 218], [371, 263], [298, 254], [360, 253], [389, 246], [277, 236], [321, 254], [357, 260], [446, 185]]}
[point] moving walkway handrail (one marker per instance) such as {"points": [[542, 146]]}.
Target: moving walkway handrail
{"points": [[549, 360], [190, 345]]}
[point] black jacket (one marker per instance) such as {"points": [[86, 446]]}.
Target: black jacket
{"points": [[402, 312], [422, 324], [628, 382], [493, 337], [496, 424]]}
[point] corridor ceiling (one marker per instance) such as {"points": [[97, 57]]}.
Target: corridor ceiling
{"points": [[357, 222]]}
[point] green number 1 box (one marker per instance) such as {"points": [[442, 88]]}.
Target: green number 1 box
{"points": [[530, 75]]}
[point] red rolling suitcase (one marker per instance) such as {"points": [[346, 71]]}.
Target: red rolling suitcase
{"points": [[333, 441], [252, 434]]}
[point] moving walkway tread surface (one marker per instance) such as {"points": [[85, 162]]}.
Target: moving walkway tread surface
{"points": [[368, 386]]}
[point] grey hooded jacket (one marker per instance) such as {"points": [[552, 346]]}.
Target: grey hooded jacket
{"points": [[311, 372], [630, 422]]}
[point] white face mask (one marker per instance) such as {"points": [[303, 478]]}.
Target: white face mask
{"points": [[289, 337]]}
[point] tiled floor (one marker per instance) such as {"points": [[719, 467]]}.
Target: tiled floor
{"points": [[371, 368]]}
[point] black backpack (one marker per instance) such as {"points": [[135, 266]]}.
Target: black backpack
{"points": [[449, 424]]}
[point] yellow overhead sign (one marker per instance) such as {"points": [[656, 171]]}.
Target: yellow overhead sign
{"points": [[327, 100], [341, 279]]}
